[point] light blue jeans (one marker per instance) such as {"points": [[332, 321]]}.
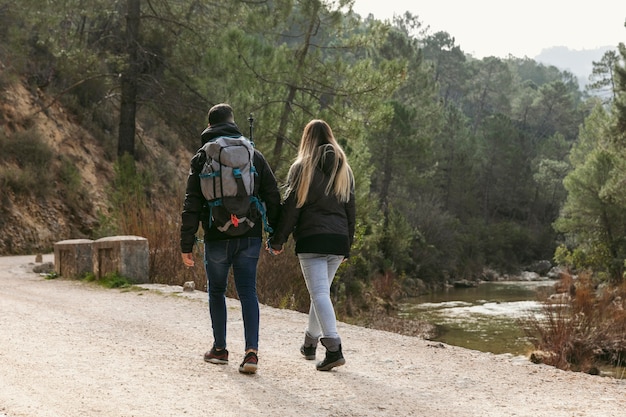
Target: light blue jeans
{"points": [[319, 271]]}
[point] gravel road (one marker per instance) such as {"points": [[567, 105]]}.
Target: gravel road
{"points": [[69, 348]]}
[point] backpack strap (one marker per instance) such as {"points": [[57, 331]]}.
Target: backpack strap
{"points": [[261, 208], [241, 188], [212, 204]]}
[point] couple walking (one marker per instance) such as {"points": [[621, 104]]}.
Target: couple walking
{"points": [[318, 209]]}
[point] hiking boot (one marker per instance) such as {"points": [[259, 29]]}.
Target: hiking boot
{"points": [[219, 357], [249, 364], [331, 360], [308, 352]]}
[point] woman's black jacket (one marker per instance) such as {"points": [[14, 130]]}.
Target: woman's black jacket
{"points": [[323, 224]]}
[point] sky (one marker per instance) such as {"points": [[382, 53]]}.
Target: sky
{"points": [[521, 28]]}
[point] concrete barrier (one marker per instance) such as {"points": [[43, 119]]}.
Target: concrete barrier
{"points": [[128, 256], [73, 258]]}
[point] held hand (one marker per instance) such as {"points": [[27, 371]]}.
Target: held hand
{"points": [[188, 259], [271, 250], [276, 252]]}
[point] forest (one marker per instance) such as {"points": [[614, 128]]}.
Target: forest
{"points": [[463, 165]]}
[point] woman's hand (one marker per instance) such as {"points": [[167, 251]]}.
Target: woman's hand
{"points": [[273, 249]]}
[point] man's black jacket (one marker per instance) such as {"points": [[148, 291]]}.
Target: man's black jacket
{"points": [[195, 209]]}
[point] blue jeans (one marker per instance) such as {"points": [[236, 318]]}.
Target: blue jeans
{"points": [[243, 255], [319, 271]]}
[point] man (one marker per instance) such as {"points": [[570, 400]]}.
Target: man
{"points": [[223, 251]]}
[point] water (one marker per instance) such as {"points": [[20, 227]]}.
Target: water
{"points": [[483, 318]]}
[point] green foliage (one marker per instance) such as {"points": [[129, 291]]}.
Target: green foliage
{"points": [[25, 162], [111, 280], [620, 98], [506, 245], [89, 277], [396, 242], [128, 192], [127, 200], [51, 275], [436, 249], [535, 74], [594, 215], [72, 187], [602, 76], [563, 256]]}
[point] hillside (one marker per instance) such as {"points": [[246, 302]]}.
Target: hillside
{"points": [[31, 223]]}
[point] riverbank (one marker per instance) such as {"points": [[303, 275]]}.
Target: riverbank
{"points": [[68, 348]]}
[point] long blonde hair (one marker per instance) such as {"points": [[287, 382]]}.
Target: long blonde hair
{"points": [[316, 143]]}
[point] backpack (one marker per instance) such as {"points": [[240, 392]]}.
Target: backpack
{"points": [[227, 183]]}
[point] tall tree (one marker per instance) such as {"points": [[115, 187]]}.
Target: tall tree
{"points": [[593, 218], [453, 152], [129, 80], [555, 110], [602, 76], [402, 149], [489, 89], [620, 99], [310, 63], [449, 64]]}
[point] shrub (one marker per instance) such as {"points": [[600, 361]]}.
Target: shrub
{"points": [[583, 332], [72, 189], [27, 160], [112, 280], [386, 285]]}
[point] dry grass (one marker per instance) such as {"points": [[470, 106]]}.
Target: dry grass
{"points": [[280, 281], [386, 285], [584, 331]]}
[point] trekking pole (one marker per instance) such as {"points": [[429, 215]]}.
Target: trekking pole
{"points": [[251, 121]]}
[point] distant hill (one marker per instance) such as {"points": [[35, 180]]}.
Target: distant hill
{"points": [[578, 62]]}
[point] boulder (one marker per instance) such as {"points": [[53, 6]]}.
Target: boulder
{"points": [[465, 283], [540, 267]]}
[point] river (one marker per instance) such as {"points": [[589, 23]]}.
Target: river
{"points": [[483, 318]]}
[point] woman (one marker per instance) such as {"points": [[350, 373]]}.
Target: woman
{"points": [[319, 209]]}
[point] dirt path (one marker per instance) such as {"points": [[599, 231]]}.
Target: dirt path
{"points": [[74, 349]]}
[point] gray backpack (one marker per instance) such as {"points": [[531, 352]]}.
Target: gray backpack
{"points": [[227, 182]]}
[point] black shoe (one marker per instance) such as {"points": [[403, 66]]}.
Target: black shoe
{"points": [[219, 357], [308, 352], [331, 360], [249, 364]]}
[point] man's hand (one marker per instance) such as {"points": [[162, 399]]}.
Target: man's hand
{"points": [[188, 259], [274, 250]]}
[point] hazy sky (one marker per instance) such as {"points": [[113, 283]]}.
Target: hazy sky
{"points": [[521, 28]]}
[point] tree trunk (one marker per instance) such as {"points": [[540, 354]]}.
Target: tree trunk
{"points": [[293, 89], [282, 127], [128, 105]]}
